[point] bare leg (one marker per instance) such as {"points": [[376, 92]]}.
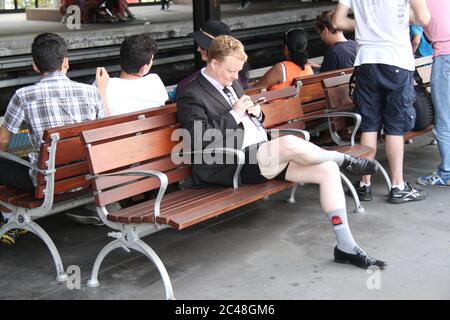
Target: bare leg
{"points": [[275, 155], [327, 176], [394, 152], [369, 139]]}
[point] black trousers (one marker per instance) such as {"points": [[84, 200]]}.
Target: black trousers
{"points": [[15, 175]]}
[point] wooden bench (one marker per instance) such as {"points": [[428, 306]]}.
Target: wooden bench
{"points": [[135, 157], [63, 168]]}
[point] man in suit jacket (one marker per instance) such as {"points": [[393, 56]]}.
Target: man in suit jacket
{"points": [[216, 113]]}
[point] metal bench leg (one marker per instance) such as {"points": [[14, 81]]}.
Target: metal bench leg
{"points": [[385, 175], [33, 227], [291, 199], [139, 246], [145, 249], [358, 207], [93, 281]]}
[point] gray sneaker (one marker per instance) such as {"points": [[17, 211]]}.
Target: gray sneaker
{"points": [[410, 193]]}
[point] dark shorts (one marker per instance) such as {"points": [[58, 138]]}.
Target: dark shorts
{"points": [[250, 173], [384, 97]]}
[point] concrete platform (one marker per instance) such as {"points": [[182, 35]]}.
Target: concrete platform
{"points": [[16, 33], [266, 250]]}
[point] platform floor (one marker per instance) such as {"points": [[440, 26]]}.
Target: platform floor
{"points": [[16, 33], [266, 250]]}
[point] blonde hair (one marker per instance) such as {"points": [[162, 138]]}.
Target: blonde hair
{"points": [[224, 46]]}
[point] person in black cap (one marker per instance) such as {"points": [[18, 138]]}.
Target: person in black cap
{"points": [[203, 39]]}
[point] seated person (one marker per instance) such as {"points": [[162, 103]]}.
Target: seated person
{"points": [[118, 8], [421, 47], [296, 63], [52, 102], [203, 38], [341, 53], [214, 104], [135, 89]]}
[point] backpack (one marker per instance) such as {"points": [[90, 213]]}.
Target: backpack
{"points": [[423, 105]]}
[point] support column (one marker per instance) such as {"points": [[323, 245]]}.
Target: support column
{"points": [[204, 10]]}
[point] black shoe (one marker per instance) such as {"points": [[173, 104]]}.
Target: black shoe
{"points": [[360, 259], [364, 193], [410, 193], [359, 166]]}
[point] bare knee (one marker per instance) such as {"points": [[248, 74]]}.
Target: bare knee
{"points": [[290, 143], [328, 170]]}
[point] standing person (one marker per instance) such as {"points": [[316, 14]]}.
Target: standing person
{"points": [[421, 47], [384, 93], [280, 76], [438, 31], [135, 89], [214, 102], [52, 102], [165, 4], [341, 53]]}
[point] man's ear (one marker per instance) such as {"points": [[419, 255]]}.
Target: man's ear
{"points": [[65, 64], [213, 63], [35, 68]]}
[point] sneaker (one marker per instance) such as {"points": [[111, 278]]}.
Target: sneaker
{"points": [[364, 193], [434, 180], [410, 193], [10, 237]]}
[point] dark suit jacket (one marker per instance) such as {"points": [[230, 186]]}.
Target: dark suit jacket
{"points": [[203, 109]]}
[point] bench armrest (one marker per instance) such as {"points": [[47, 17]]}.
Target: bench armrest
{"points": [[164, 181], [304, 133], [334, 136], [238, 153], [14, 158]]}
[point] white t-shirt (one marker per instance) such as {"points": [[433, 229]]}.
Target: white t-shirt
{"points": [[133, 95], [382, 32]]}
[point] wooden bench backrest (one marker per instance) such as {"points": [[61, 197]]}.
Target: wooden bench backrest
{"points": [[138, 145], [312, 94], [337, 93], [71, 165]]}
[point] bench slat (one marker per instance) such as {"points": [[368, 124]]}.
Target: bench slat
{"points": [[184, 208], [180, 201], [138, 187], [281, 111], [104, 157], [129, 128], [235, 199], [135, 212], [161, 165], [71, 131]]}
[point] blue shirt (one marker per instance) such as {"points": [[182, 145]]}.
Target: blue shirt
{"points": [[424, 48]]}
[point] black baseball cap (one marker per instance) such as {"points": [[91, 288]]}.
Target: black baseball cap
{"points": [[210, 30]]}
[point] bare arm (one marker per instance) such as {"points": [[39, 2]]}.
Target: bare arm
{"points": [[271, 77], [5, 137], [415, 42], [101, 81], [419, 13], [341, 20]]}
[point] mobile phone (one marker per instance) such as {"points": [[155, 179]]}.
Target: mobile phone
{"points": [[260, 100]]}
